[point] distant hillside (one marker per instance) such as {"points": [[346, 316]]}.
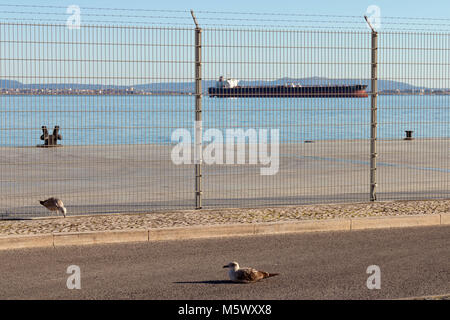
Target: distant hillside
{"points": [[174, 86], [10, 84], [190, 86]]}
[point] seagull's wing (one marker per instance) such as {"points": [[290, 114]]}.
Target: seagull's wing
{"points": [[54, 204], [50, 204], [250, 275]]}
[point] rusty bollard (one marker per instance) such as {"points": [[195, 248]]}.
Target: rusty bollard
{"points": [[50, 140]]}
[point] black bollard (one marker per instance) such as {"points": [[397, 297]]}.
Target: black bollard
{"points": [[409, 135], [50, 140]]}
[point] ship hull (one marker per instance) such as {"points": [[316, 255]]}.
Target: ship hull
{"points": [[350, 91]]}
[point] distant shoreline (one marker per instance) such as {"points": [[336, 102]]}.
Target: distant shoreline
{"points": [[443, 93], [95, 94]]}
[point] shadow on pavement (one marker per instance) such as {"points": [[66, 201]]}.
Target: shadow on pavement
{"points": [[210, 282]]}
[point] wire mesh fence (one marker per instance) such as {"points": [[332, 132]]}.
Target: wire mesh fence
{"points": [[414, 115], [288, 123], [315, 130], [115, 93]]}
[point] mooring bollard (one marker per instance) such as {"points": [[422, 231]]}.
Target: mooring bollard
{"points": [[50, 140], [409, 135]]}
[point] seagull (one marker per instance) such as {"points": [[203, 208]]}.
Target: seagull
{"points": [[54, 204], [246, 275]]}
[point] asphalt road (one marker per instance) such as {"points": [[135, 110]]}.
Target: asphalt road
{"points": [[413, 262]]}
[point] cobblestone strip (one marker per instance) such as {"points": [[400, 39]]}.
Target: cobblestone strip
{"points": [[220, 216]]}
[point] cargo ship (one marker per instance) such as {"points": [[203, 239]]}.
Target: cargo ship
{"points": [[229, 88]]}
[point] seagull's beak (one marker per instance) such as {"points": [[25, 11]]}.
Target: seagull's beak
{"points": [[225, 266]]}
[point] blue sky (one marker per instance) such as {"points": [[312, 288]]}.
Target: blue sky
{"points": [[297, 12], [411, 8]]}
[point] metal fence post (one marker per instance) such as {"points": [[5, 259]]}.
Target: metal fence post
{"points": [[373, 114], [198, 114]]}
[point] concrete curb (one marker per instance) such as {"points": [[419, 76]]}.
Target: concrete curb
{"points": [[93, 237], [26, 241], [303, 226], [396, 222], [445, 218], [198, 232], [214, 231]]}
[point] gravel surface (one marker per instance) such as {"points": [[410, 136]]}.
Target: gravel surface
{"points": [[222, 216]]}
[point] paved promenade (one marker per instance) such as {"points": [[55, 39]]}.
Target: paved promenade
{"points": [[143, 178]]}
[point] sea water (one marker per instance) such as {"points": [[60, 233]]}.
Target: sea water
{"points": [[151, 119]]}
